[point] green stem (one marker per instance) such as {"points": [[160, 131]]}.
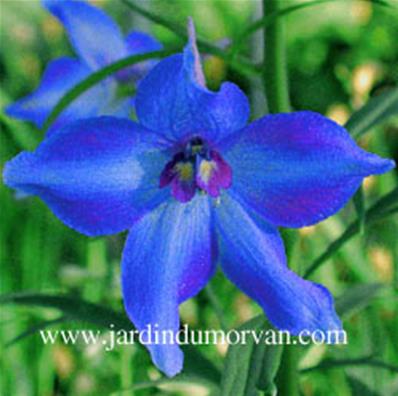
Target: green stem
{"points": [[274, 67], [277, 93]]}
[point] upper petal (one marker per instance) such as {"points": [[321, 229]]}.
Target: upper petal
{"points": [[97, 175], [139, 43], [173, 99], [94, 35], [297, 169], [59, 77], [252, 256], [169, 257]]}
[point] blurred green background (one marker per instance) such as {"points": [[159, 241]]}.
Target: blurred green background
{"points": [[339, 54]]}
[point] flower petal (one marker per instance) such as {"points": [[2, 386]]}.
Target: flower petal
{"points": [[59, 77], [297, 169], [169, 256], [121, 108], [173, 99], [94, 35], [252, 256], [97, 175], [139, 43]]}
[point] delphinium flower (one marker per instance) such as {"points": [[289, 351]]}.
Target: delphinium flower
{"points": [[97, 41], [197, 186]]}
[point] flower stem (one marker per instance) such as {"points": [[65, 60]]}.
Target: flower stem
{"points": [[274, 65], [277, 93]]}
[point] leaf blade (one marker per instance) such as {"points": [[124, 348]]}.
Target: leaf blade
{"points": [[251, 367], [33, 329], [362, 361], [81, 310], [375, 111], [241, 65], [359, 203], [382, 208], [237, 362], [357, 297]]}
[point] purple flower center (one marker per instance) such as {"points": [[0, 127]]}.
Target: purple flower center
{"points": [[197, 167]]}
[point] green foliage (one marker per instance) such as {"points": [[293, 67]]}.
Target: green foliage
{"points": [[357, 297], [384, 207], [73, 280], [244, 363], [376, 110]]}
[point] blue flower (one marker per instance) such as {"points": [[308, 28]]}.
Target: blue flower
{"points": [[98, 42], [196, 185]]}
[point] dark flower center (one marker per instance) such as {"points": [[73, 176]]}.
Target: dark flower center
{"points": [[196, 167]]}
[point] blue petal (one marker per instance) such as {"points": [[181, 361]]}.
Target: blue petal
{"points": [[252, 256], [169, 256], [297, 169], [97, 175], [59, 77], [94, 35], [121, 108], [139, 43], [173, 99]]}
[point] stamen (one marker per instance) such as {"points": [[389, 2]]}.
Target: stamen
{"points": [[197, 168], [206, 168], [185, 170]]}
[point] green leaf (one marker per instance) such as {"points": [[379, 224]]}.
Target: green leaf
{"points": [[381, 209], [19, 132], [363, 361], [251, 367], [80, 310], [71, 307], [270, 365], [360, 388], [237, 363], [375, 111], [143, 385], [290, 238], [255, 370], [359, 203], [357, 297], [34, 329], [175, 28], [216, 305], [198, 366], [269, 19], [240, 65], [97, 77], [182, 379]]}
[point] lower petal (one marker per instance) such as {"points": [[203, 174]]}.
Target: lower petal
{"points": [[252, 256], [169, 256]]}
